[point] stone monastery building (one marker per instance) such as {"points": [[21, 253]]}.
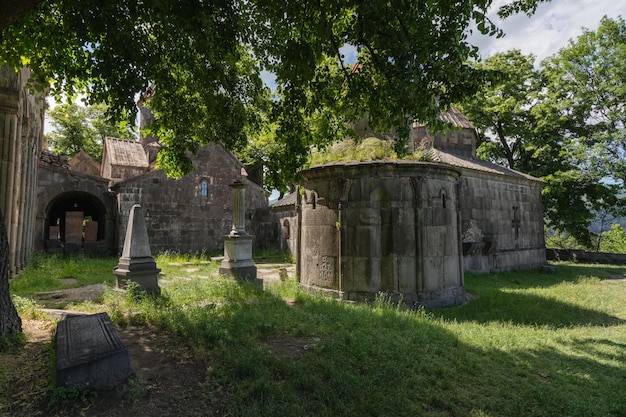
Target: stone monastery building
{"points": [[502, 205], [411, 228], [84, 206]]}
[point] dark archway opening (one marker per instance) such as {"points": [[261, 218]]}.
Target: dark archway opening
{"points": [[82, 206]]}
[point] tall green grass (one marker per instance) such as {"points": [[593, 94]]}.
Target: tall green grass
{"points": [[528, 344], [48, 272]]}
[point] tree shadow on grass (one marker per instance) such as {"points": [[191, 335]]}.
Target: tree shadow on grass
{"points": [[381, 360], [360, 360], [528, 310], [508, 298]]}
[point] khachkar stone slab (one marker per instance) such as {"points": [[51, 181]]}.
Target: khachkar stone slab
{"points": [[74, 227], [137, 263], [91, 231], [90, 353]]}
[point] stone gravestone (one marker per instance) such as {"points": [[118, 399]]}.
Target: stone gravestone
{"points": [[73, 231], [90, 353], [53, 232], [53, 244], [91, 245], [91, 231], [137, 263]]}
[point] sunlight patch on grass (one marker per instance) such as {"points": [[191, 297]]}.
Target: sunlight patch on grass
{"points": [[50, 273]]}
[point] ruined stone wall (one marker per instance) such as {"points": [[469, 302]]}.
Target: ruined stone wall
{"points": [[21, 136], [509, 213], [178, 216]]}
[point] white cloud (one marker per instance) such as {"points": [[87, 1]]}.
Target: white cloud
{"points": [[549, 29]]}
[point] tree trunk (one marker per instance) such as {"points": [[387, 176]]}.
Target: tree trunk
{"points": [[10, 322], [508, 152]]}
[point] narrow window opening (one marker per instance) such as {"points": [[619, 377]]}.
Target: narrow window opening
{"points": [[517, 221], [204, 189], [286, 229]]}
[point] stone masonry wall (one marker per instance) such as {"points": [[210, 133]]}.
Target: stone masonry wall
{"points": [[56, 184], [509, 213], [178, 217], [382, 226]]}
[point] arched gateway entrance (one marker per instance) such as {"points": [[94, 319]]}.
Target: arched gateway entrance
{"points": [[75, 217], [75, 213]]}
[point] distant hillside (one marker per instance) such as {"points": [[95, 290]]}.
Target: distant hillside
{"points": [[598, 224]]}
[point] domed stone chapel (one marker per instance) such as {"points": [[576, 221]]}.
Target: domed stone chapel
{"points": [[410, 229]]}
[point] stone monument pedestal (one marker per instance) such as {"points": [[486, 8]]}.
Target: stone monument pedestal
{"points": [[238, 260], [142, 271]]}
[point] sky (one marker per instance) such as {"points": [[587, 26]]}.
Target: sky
{"points": [[549, 29]]}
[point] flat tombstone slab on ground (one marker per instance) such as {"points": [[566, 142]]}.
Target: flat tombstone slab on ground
{"points": [[90, 353]]}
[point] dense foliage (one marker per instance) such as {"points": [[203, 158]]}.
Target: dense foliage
{"points": [[613, 240], [83, 128], [206, 61]]}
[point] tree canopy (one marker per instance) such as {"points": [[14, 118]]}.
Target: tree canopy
{"points": [[83, 128], [206, 61], [586, 83], [502, 109], [563, 122]]}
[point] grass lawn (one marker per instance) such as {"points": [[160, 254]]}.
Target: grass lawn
{"points": [[527, 344]]}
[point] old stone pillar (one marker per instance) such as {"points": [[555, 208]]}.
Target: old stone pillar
{"points": [[18, 202], [9, 108], [21, 135], [8, 123], [238, 260], [31, 198], [239, 209]]}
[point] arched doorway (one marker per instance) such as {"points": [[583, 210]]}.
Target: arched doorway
{"points": [[74, 217]]}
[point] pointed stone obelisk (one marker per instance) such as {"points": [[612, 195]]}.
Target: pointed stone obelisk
{"points": [[137, 263], [238, 260]]}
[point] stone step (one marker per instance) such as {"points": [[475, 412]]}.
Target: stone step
{"points": [[90, 353]]}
